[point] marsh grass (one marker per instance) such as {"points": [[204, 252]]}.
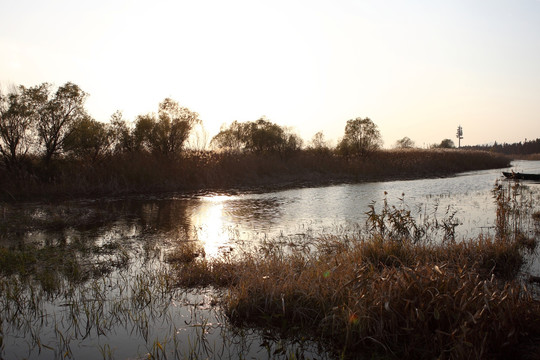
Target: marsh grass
{"points": [[200, 171], [390, 290]]}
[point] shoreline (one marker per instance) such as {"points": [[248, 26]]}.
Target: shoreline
{"points": [[232, 173]]}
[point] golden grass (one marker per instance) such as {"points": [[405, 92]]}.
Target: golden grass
{"points": [[451, 300]]}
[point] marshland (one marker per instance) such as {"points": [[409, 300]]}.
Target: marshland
{"points": [[440, 267], [132, 240]]}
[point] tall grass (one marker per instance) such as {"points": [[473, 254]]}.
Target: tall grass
{"points": [[139, 172], [388, 291]]}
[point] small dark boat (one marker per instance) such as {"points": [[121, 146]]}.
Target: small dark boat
{"points": [[521, 176]]}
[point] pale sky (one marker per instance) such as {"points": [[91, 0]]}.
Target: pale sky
{"points": [[416, 68]]}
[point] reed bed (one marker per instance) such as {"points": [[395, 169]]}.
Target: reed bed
{"points": [[410, 301], [201, 171], [387, 291]]}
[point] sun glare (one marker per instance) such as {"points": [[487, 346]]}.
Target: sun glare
{"points": [[211, 226]]}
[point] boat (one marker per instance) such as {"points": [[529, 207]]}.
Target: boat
{"points": [[521, 176]]}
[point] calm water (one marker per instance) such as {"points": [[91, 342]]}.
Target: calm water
{"points": [[120, 239]]}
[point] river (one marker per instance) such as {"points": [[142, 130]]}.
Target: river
{"points": [[126, 237]]}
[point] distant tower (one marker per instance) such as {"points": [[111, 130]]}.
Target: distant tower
{"points": [[459, 135]]}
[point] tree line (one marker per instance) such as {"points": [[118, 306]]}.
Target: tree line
{"points": [[48, 124], [44, 123], [527, 147]]}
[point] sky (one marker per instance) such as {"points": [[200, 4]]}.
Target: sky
{"points": [[417, 68]]}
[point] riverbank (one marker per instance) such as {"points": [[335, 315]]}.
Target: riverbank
{"points": [[222, 172]]}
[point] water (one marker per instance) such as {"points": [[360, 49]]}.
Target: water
{"points": [[113, 301]]}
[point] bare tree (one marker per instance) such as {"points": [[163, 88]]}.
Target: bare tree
{"points": [[199, 138]]}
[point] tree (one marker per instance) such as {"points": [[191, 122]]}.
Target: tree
{"points": [[361, 137], [233, 138], [167, 132], [121, 135], [198, 140], [292, 142], [318, 142], [265, 136], [56, 115], [142, 132], [256, 136], [87, 139], [16, 125], [405, 143], [446, 144]]}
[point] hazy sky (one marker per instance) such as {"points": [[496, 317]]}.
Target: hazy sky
{"points": [[416, 68]]}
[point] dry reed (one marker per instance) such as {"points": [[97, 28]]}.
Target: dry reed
{"points": [[140, 172]]}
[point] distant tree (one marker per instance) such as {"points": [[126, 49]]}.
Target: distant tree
{"points": [[121, 135], [142, 132], [256, 136], [167, 132], [318, 142], [16, 125], [265, 136], [87, 139], [405, 143], [232, 138], [361, 137], [57, 114], [199, 138], [446, 144], [292, 142]]}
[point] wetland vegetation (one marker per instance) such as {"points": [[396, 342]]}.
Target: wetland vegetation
{"points": [[113, 276], [101, 281], [395, 290]]}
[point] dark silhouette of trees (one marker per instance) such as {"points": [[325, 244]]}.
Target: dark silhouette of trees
{"points": [[520, 148], [361, 137]]}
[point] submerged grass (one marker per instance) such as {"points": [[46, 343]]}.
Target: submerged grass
{"points": [[386, 291]]}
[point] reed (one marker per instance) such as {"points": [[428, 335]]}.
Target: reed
{"points": [[199, 171], [387, 291]]}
